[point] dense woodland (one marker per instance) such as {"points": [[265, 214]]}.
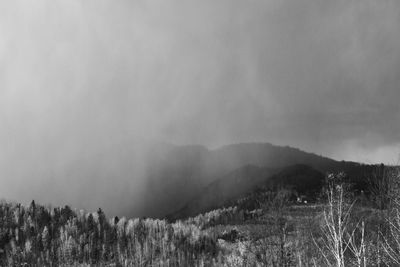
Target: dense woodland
{"points": [[265, 228]]}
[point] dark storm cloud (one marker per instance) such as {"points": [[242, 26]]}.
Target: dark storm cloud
{"points": [[78, 78]]}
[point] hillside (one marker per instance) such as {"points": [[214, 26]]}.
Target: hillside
{"points": [[244, 181], [156, 179], [179, 173]]}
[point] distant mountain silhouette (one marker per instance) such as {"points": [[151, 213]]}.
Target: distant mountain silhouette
{"points": [[271, 156], [178, 173], [239, 183], [157, 179]]}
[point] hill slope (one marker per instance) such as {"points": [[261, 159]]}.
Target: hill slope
{"points": [[181, 172], [243, 181], [157, 179]]}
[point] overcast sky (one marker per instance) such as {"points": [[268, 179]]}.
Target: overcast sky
{"points": [[80, 76]]}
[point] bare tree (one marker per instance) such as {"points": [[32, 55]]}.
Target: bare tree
{"points": [[379, 185], [358, 247], [337, 237], [391, 238]]}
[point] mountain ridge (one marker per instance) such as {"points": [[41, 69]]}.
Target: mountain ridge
{"points": [[188, 170]]}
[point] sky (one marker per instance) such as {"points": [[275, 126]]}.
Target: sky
{"points": [[80, 77]]}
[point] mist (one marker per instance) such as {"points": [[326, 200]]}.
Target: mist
{"points": [[86, 86]]}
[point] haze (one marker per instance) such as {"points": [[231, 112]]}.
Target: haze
{"points": [[83, 79]]}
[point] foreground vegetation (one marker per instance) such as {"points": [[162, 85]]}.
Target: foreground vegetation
{"points": [[343, 228]]}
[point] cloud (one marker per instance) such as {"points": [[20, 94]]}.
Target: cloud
{"points": [[79, 77]]}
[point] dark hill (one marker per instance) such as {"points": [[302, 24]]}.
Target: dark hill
{"points": [[243, 181], [177, 173], [268, 155], [157, 179]]}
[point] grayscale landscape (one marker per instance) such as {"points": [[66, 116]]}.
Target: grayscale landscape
{"points": [[199, 133]]}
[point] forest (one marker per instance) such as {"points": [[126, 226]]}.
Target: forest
{"points": [[339, 227]]}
